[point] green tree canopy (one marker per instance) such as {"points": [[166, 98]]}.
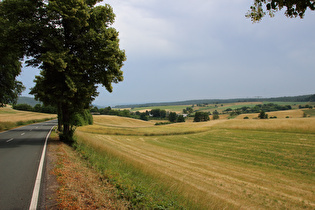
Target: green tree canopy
{"points": [[172, 117], [73, 45], [201, 117], [294, 8]]}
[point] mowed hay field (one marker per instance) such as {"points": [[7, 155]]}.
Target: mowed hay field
{"points": [[10, 118], [246, 164], [7, 114]]}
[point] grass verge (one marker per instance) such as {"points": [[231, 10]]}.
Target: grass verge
{"points": [[141, 190], [9, 125], [79, 186]]}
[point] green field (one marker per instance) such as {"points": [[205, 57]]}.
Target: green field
{"points": [[213, 165], [309, 112]]}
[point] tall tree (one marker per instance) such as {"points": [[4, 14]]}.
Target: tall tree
{"points": [[10, 65], [294, 8], [75, 48]]}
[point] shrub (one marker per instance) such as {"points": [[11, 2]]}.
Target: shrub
{"points": [[172, 117], [216, 116], [181, 118], [163, 123], [201, 117], [23, 107], [262, 115], [246, 118]]}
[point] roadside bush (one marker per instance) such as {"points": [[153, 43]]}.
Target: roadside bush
{"points": [[83, 118]]}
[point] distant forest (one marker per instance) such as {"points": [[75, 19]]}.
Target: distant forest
{"points": [[303, 98]]}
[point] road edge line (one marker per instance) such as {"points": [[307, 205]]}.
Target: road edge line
{"points": [[34, 201]]}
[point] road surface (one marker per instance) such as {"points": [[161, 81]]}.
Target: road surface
{"points": [[20, 154]]}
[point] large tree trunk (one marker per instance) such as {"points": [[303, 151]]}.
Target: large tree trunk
{"points": [[59, 113], [67, 134]]}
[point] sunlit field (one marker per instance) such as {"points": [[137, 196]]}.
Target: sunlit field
{"points": [[218, 164], [10, 118], [295, 113], [7, 114]]}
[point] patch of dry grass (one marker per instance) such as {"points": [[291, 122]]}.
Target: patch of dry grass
{"points": [[80, 186]]}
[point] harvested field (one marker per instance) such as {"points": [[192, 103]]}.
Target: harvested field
{"points": [[7, 114], [223, 163], [296, 113]]}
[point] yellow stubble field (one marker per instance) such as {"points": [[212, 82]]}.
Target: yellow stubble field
{"points": [[233, 164]]}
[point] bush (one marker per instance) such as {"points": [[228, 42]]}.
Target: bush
{"points": [[201, 117], [262, 115], [181, 118], [23, 107], [144, 117], [216, 116], [163, 123], [83, 118], [246, 118], [172, 117]]}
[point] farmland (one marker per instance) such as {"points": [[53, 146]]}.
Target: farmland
{"points": [[218, 164], [10, 118]]}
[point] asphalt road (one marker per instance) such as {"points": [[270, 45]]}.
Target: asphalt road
{"points": [[20, 153]]}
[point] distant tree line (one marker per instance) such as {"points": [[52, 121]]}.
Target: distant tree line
{"points": [[302, 98], [305, 107], [153, 114], [37, 108], [78, 119], [270, 107]]}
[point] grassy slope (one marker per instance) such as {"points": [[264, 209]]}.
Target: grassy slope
{"points": [[235, 163]]}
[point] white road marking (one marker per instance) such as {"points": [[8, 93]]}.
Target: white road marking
{"points": [[9, 140], [34, 201]]}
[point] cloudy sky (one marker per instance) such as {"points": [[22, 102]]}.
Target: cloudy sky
{"points": [[206, 49]]}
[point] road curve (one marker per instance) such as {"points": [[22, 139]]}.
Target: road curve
{"points": [[20, 153]]}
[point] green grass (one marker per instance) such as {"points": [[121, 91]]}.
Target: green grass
{"points": [[287, 153], [309, 112]]}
